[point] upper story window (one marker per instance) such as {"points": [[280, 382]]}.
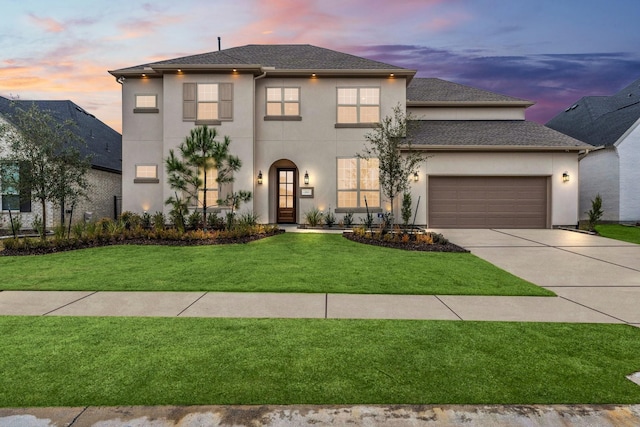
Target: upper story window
{"points": [[357, 179], [358, 105], [283, 102], [207, 103], [146, 104]]}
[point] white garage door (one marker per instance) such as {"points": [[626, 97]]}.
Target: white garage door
{"points": [[488, 202]]}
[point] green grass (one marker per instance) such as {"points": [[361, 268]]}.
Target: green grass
{"points": [[320, 263], [65, 361], [619, 232]]}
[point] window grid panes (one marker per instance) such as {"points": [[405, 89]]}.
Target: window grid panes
{"points": [[283, 101], [146, 101], [359, 105], [207, 101], [9, 185], [147, 171], [357, 179], [212, 195]]}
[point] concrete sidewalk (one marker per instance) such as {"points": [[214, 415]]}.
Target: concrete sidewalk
{"points": [[319, 306]]}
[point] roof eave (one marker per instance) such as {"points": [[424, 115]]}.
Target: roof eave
{"points": [[519, 104], [539, 148], [159, 70]]}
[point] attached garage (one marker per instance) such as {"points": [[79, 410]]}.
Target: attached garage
{"points": [[488, 202]]}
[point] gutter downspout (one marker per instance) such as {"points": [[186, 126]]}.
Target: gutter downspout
{"points": [[255, 134]]}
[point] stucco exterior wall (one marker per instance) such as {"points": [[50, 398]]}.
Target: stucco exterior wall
{"points": [[314, 143], [148, 137], [629, 153], [467, 113], [563, 203]]}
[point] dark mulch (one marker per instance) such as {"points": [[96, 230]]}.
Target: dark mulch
{"points": [[156, 242], [409, 246]]}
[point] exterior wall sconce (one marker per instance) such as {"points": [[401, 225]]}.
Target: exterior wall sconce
{"points": [[565, 177], [306, 178], [416, 177], [260, 178]]}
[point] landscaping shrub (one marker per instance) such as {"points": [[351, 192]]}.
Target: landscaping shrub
{"points": [[329, 218], [159, 220], [595, 213], [313, 217], [348, 219]]}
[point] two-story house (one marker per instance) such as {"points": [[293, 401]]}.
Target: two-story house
{"points": [[297, 116]]}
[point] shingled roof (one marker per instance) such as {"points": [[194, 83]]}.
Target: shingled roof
{"points": [[432, 91], [103, 144], [600, 120], [281, 57], [491, 134]]}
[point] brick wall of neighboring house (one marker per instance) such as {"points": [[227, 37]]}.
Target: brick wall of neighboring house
{"points": [[103, 187], [26, 218]]}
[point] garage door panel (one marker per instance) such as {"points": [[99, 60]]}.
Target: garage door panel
{"points": [[488, 202]]}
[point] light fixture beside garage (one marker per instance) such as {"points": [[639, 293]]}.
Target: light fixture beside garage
{"points": [[565, 177], [416, 177]]}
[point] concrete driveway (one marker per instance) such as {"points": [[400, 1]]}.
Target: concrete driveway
{"points": [[595, 272]]}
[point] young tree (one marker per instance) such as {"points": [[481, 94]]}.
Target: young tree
{"points": [[390, 143], [52, 168], [199, 152]]}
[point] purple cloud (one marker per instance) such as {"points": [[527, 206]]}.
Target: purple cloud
{"points": [[552, 81]]}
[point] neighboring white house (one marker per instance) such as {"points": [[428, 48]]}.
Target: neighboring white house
{"points": [[612, 124], [103, 145], [297, 116]]}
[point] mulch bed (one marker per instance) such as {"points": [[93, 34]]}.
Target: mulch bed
{"points": [[154, 242], [409, 246]]}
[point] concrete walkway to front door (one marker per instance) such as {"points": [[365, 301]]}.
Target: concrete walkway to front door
{"points": [[600, 274]]}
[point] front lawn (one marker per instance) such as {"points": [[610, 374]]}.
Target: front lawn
{"points": [[619, 232], [290, 262], [65, 361]]}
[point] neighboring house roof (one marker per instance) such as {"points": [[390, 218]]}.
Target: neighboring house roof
{"points": [[435, 92], [490, 134], [600, 120], [257, 57], [103, 144]]}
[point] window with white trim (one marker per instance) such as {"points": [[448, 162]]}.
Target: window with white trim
{"points": [[283, 101], [359, 105], [357, 179], [146, 173], [207, 102], [146, 101]]}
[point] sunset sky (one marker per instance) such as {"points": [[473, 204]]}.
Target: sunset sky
{"points": [[551, 52]]}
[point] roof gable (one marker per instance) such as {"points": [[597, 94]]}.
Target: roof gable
{"points": [[600, 120], [280, 57], [103, 144]]}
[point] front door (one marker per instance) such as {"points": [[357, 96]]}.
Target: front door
{"points": [[287, 196]]}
